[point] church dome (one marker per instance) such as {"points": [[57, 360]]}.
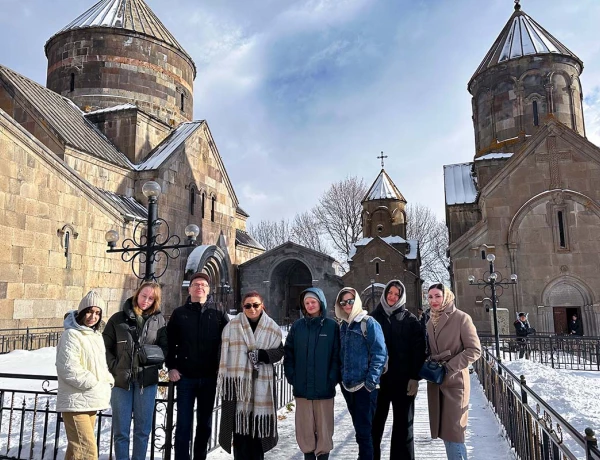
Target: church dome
{"points": [[119, 52], [525, 77]]}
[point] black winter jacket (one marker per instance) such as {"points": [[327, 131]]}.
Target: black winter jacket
{"points": [[120, 346], [194, 333], [312, 354], [405, 341], [521, 328]]}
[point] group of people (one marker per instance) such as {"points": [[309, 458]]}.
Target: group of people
{"points": [[375, 358]]}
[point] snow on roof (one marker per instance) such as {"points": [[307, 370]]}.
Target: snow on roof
{"points": [[459, 184], [494, 156], [169, 145], [115, 108], [413, 248], [383, 188], [522, 36], [364, 241]]}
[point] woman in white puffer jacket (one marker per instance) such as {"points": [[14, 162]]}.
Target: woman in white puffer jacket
{"points": [[84, 382]]}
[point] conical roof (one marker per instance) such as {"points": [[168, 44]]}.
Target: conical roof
{"points": [[383, 189], [132, 15], [522, 36]]}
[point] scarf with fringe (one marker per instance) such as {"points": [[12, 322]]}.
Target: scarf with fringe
{"points": [[255, 412], [436, 314]]}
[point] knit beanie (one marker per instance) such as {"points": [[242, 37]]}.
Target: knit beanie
{"points": [[310, 294], [91, 299]]}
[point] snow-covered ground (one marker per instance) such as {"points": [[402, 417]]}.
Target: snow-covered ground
{"points": [[575, 395], [484, 441]]}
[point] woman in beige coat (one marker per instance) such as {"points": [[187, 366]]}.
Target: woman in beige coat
{"points": [[453, 340]]}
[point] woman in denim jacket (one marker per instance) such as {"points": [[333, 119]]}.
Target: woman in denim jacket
{"points": [[363, 357]]}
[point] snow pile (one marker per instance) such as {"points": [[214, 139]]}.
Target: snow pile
{"points": [[572, 394]]}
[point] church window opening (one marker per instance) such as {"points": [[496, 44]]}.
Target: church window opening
{"points": [[182, 102], [377, 268], [561, 231], [536, 117], [72, 84], [212, 209], [203, 203], [483, 255], [192, 200], [379, 228]]}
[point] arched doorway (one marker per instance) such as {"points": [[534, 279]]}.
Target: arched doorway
{"points": [[288, 279], [371, 295], [566, 296], [214, 261]]}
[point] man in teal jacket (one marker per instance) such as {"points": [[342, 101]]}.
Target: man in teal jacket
{"points": [[312, 367]]}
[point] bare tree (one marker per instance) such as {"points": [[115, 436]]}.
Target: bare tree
{"points": [[305, 231], [432, 234], [339, 213], [271, 233]]}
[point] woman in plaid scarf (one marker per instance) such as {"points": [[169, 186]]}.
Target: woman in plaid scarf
{"points": [[251, 344]]}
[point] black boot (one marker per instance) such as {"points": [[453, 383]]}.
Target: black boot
{"points": [[310, 456], [323, 457]]}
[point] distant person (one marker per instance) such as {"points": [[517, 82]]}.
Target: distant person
{"points": [[312, 367], [194, 336], [575, 326], [136, 346], [405, 341], [84, 381], [251, 345], [363, 357], [453, 341], [522, 329]]}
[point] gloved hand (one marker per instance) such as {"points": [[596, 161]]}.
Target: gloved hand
{"points": [[253, 357], [413, 388]]}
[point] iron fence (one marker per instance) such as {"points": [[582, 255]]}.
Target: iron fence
{"points": [[534, 429], [29, 338], [558, 351], [31, 428]]}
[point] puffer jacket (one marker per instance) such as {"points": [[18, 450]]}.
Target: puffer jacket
{"points": [[120, 346], [84, 382], [312, 353], [362, 357]]}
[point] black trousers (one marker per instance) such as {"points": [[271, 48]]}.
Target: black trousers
{"points": [[402, 445], [246, 447]]}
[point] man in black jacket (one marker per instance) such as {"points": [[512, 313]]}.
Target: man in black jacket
{"points": [[522, 329], [194, 335]]}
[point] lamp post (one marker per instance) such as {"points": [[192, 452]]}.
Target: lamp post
{"points": [[493, 281], [372, 294], [225, 294], [148, 248]]}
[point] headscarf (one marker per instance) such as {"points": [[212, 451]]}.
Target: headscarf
{"points": [[436, 314], [356, 308], [401, 301]]}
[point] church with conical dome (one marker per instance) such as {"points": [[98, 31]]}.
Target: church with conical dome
{"points": [[116, 113], [531, 195]]}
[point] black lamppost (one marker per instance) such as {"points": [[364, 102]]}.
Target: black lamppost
{"points": [[372, 294], [493, 281], [225, 294], [148, 248]]}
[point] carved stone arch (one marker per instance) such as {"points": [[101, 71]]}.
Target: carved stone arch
{"points": [[383, 209], [209, 259], [575, 284], [563, 73], [285, 257], [507, 79], [566, 195]]}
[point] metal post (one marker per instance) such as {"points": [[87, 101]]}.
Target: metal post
{"points": [[169, 425], [372, 295], [494, 309], [523, 392], [590, 441], [150, 237]]}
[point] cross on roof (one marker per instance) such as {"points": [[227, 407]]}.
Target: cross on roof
{"points": [[382, 156], [517, 5]]}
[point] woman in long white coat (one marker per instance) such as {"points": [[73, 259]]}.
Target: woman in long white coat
{"points": [[84, 382]]}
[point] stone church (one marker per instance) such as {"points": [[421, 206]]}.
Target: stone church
{"points": [[531, 195], [384, 252], [117, 111]]}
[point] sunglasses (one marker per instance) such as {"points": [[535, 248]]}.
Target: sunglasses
{"points": [[343, 303], [248, 306]]}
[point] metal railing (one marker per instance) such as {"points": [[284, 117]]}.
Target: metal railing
{"points": [[29, 338], [533, 428], [31, 428], [558, 351]]}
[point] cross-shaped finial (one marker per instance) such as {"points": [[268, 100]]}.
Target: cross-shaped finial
{"points": [[517, 5], [381, 157]]}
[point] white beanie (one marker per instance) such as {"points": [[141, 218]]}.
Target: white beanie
{"points": [[310, 295], [91, 299]]}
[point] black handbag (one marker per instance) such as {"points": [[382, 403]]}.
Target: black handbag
{"points": [[433, 372], [151, 355]]}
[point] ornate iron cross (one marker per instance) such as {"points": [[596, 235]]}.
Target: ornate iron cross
{"points": [[382, 156]]}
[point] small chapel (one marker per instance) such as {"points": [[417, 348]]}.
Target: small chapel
{"points": [[116, 112], [531, 195]]}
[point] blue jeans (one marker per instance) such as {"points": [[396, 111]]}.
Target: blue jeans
{"points": [[362, 405], [189, 391], [140, 403], [456, 450]]}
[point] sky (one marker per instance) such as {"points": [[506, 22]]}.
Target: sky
{"points": [[299, 94]]}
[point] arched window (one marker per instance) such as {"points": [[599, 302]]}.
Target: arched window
{"points": [[182, 102], [212, 209], [377, 268], [192, 200], [536, 117], [72, 84], [203, 203], [562, 242]]}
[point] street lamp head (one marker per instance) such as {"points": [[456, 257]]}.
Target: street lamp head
{"points": [[471, 279], [491, 257], [111, 237], [372, 281], [192, 231], [494, 276], [513, 277], [151, 189]]}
